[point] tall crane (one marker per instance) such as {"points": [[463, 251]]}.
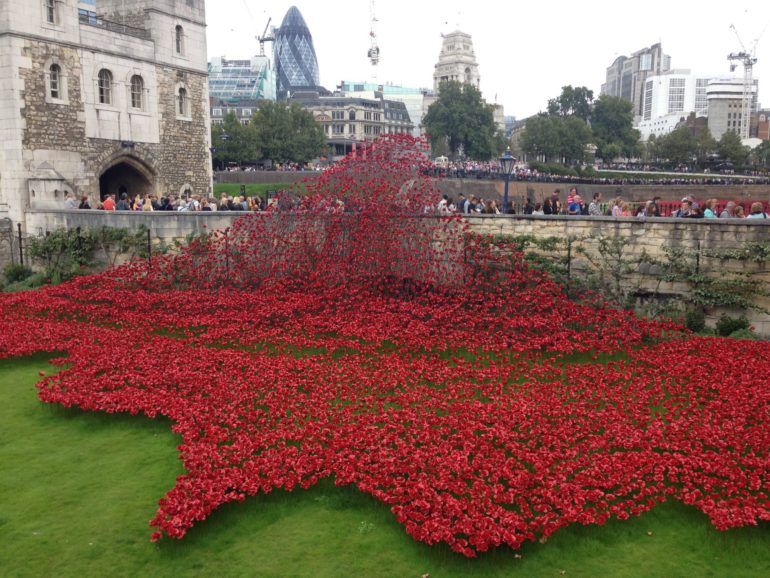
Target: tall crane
{"points": [[265, 38], [374, 49], [747, 60]]}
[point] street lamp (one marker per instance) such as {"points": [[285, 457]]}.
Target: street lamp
{"points": [[507, 161], [224, 136]]}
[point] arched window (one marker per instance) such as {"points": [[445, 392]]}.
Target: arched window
{"points": [[179, 39], [105, 86], [352, 115], [137, 92], [54, 81], [182, 104]]}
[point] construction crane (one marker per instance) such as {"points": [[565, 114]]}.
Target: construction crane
{"points": [[747, 60], [265, 38], [374, 50]]}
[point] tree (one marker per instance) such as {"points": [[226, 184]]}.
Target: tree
{"points": [[287, 133], [612, 122], [705, 145], [464, 121], [231, 141], [678, 146], [650, 152], [572, 102], [760, 156], [575, 135], [730, 148], [542, 137]]}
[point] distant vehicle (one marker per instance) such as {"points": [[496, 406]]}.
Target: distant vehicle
{"points": [[726, 168], [441, 161]]}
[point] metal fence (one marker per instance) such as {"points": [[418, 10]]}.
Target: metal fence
{"points": [[13, 244]]}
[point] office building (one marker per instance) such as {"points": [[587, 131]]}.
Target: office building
{"points": [[627, 76], [296, 64]]}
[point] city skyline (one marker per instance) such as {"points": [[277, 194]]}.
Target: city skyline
{"points": [[524, 58]]}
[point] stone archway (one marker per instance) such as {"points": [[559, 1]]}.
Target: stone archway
{"points": [[126, 175]]}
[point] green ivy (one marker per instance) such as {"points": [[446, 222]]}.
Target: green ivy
{"points": [[67, 252]]}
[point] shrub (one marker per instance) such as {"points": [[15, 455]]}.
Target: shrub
{"points": [[32, 282], [16, 272], [745, 334], [726, 325], [695, 320]]}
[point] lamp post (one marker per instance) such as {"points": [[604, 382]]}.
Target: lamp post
{"points": [[224, 136], [507, 161]]}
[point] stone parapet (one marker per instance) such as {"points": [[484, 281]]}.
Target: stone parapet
{"points": [[642, 240]]}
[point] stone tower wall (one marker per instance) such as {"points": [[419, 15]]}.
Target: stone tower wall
{"points": [[64, 144]]}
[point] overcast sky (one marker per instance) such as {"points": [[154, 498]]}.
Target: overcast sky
{"points": [[526, 50]]}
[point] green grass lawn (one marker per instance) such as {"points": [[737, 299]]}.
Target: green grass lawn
{"points": [[253, 190], [77, 492]]}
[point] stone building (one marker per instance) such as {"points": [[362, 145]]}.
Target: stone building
{"points": [[101, 96], [457, 62], [350, 122]]}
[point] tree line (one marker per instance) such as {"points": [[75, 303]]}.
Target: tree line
{"points": [[278, 132], [462, 126], [574, 120]]}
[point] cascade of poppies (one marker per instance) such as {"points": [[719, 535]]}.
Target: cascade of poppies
{"points": [[355, 334]]}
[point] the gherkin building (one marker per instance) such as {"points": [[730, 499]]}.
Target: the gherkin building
{"points": [[296, 65]]}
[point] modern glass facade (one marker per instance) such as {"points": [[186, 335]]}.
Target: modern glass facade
{"points": [[241, 79], [296, 65]]}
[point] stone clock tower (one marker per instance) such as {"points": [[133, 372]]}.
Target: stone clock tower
{"points": [[457, 61]]}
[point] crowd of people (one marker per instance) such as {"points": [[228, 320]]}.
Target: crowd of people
{"points": [[150, 202], [576, 205], [491, 170]]}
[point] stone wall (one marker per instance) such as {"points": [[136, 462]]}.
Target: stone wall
{"points": [[184, 146], [72, 141], [638, 236], [519, 191], [165, 227], [647, 240], [57, 125]]}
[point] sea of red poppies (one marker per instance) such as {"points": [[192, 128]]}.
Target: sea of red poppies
{"points": [[357, 336]]}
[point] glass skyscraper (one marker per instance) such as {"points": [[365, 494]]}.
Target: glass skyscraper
{"points": [[296, 65]]}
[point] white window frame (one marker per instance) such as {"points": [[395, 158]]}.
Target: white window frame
{"points": [[63, 95], [54, 82], [134, 94], [105, 93]]}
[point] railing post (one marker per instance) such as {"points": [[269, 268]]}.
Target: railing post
{"points": [[227, 250], [569, 266], [21, 250]]}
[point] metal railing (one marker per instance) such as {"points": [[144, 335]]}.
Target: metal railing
{"points": [[98, 22]]}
